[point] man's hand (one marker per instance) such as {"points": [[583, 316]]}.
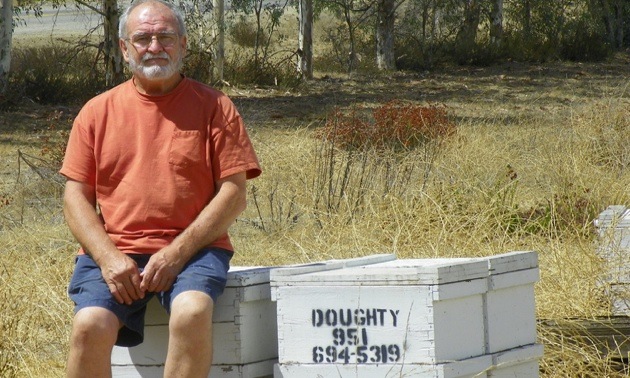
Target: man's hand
{"points": [[122, 275], [160, 272]]}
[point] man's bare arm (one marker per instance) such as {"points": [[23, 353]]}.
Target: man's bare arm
{"points": [[213, 221], [119, 271]]}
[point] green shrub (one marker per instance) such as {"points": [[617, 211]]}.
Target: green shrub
{"points": [[584, 42], [533, 48], [242, 67], [56, 74], [336, 58], [245, 34], [198, 64]]}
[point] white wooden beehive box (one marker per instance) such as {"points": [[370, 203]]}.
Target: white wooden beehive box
{"points": [[244, 332], [522, 362], [510, 304], [244, 327], [475, 367], [387, 315], [613, 226]]}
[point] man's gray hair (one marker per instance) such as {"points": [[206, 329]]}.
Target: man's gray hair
{"points": [[122, 23]]}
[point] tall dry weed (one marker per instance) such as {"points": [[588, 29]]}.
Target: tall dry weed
{"points": [[34, 310]]}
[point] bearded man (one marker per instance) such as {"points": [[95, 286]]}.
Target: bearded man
{"points": [[156, 173]]}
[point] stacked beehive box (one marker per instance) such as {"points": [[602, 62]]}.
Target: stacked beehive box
{"points": [[244, 327], [613, 226], [510, 315], [411, 318], [244, 332]]}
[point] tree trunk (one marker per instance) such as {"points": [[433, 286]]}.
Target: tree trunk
{"points": [[385, 59], [219, 34], [608, 20], [352, 54], [305, 39], [6, 36], [114, 73], [496, 24], [527, 19], [619, 16], [468, 32]]}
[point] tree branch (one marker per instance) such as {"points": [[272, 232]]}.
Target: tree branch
{"points": [[91, 7]]}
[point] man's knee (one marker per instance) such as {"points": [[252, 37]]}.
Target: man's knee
{"points": [[94, 327], [191, 310]]}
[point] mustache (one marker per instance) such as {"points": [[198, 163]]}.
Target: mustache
{"points": [[161, 55]]}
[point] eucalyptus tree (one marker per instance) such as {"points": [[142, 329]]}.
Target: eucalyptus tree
{"points": [[305, 39], [385, 33], [219, 36], [10, 16], [612, 15], [537, 27], [467, 35], [206, 38], [6, 36], [112, 56], [496, 24]]}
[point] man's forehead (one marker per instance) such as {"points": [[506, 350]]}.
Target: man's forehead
{"points": [[151, 15]]}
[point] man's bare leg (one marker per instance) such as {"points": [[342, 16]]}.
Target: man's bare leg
{"points": [[190, 336], [94, 332]]}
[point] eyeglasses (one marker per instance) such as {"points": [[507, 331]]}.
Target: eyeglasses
{"points": [[143, 41]]}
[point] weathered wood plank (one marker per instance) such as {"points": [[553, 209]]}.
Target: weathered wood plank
{"points": [[609, 335]]}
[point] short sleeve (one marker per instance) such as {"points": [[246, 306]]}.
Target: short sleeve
{"points": [[78, 162], [231, 148]]}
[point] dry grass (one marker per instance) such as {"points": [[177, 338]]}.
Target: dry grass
{"points": [[539, 152]]}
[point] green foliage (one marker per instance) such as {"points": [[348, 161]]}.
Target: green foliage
{"points": [[55, 74], [243, 68], [346, 51], [260, 51], [417, 54], [201, 40], [520, 47], [257, 55], [585, 40], [198, 64], [245, 34]]}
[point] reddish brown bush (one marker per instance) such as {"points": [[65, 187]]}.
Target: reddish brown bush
{"points": [[393, 125]]}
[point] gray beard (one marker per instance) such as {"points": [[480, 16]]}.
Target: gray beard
{"points": [[155, 72]]}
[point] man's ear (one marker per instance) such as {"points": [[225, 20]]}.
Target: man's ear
{"points": [[123, 49], [183, 41]]}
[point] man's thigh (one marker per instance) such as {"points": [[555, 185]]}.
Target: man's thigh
{"points": [[206, 272], [88, 289]]}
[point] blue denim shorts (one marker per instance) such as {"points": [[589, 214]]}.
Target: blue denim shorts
{"points": [[206, 272]]}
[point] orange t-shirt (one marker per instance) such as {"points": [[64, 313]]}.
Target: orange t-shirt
{"points": [[153, 160]]}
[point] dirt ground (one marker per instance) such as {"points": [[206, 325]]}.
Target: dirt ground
{"points": [[505, 91]]}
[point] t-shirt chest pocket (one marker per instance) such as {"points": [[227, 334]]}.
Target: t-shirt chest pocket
{"points": [[187, 148]]}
